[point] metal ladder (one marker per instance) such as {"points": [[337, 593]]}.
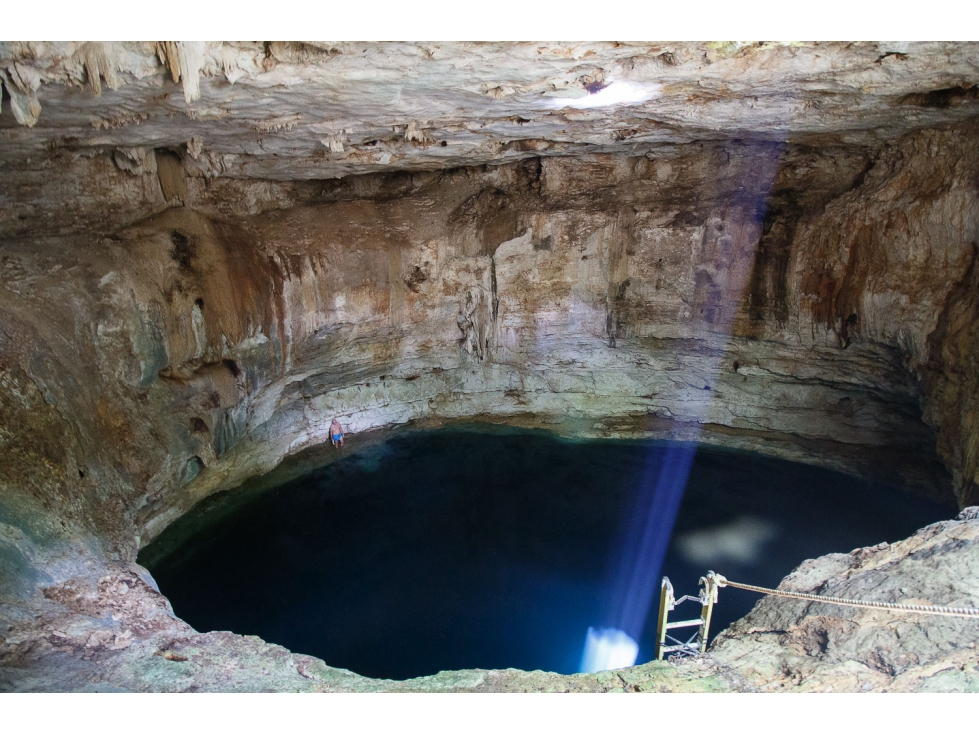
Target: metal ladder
{"points": [[697, 643]]}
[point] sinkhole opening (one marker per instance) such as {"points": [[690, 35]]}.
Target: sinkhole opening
{"points": [[499, 547]]}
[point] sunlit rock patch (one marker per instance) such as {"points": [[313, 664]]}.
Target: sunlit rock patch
{"points": [[209, 250]]}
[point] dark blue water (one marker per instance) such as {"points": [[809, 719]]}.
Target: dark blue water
{"points": [[470, 549]]}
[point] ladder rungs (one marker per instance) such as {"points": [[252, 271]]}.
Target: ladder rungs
{"points": [[667, 603], [688, 623]]}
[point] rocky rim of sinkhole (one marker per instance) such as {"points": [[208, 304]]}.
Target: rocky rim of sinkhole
{"points": [[210, 250]]}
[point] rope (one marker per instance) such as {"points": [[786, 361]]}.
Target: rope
{"points": [[920, 608], [684, 598]]}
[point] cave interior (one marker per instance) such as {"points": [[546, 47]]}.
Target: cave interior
{"points": [[209, 251]]}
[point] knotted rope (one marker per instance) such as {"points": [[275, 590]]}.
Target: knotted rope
{"points": [[918, 608]]}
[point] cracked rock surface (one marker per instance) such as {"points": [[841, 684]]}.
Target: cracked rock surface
{"points": [[110, 630], [209, 251], [812, 646]]}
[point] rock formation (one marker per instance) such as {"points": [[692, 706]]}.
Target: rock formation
{"points": [[223, 246]]}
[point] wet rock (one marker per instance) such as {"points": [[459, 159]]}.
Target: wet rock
{"points": [[772, 247], [788, 644]]}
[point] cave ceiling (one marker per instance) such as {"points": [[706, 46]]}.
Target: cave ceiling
{"points": [[210, 250], [326, 110]]}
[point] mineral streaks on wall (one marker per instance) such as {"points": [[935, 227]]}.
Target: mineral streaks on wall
{"points": [[501, 291], [951, 383], [619, 241], [203, 261], [372, 284], [211, 285], [909, 213], [890, 262], [803, 186]]}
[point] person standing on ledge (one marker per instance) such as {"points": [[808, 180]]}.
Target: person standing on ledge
{"points": [[336, 433]]}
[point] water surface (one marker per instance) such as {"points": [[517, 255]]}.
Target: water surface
{"points": [[496, 548]]}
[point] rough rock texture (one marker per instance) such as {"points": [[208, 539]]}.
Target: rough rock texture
{"points": [[109, 629], [320, 110], [208, 251], [812, 646]]}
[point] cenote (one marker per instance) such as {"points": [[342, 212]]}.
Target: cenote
{"points": [[496, 547]]}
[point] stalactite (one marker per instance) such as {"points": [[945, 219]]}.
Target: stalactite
{"points": [[334, 141], [136, 161], [21, 83], [98, 62], [184, 59]]}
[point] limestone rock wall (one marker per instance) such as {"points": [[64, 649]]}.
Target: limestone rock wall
{"points": [[791, 300], [950, 384], [208, 251], [894, 262]]}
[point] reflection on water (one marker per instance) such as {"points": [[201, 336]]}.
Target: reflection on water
{"points": [[740, 541], [607, 648], [494, 549]]}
